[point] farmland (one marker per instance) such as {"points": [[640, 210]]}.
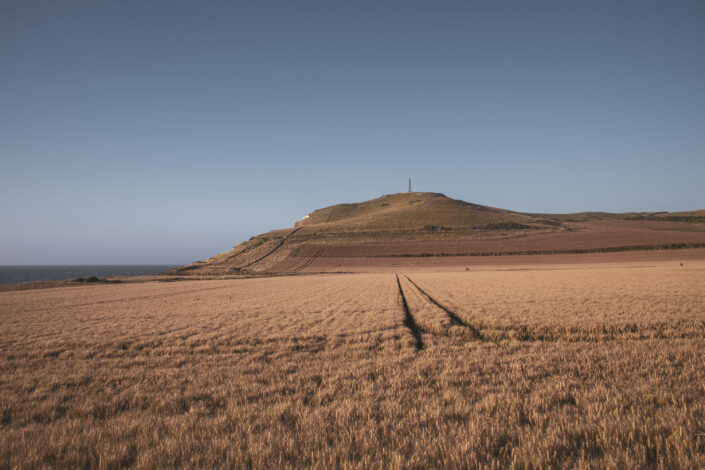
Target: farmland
{"points": [[572, 365], [414, 229]]}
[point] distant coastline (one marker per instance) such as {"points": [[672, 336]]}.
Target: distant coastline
{"points": [[31, 273]]}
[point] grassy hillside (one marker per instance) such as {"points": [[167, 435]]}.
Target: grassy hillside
{"points": [[387, 219], [412, 210], [420, 224]]}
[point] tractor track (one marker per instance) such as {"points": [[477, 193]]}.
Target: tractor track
{"points": [[244, 250], [279, 245], [454, 318], [309, 261], [409, 321]]}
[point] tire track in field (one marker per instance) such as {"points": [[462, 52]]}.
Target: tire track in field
{"points": [[309, 261], [279, 245], [224, 261], [550, 334], [409, 321], [454, 318]]}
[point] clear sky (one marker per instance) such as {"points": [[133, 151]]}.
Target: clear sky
{"points": [[166, 132]]}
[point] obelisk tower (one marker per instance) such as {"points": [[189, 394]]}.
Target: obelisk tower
{"points": [[409, 184]]}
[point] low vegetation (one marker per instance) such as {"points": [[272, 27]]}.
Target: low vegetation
{"points": [[89, 279]]}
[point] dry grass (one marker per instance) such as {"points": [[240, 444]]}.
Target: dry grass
{"points": [[579, 303], [323, 371]]}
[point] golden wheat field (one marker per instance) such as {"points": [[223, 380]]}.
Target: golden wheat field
{"points": [[564, 367]]}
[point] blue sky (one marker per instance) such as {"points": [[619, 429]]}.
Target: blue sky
{"points": [[165, 132]]}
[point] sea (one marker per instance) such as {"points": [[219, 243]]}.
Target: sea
{"points": [[18, 274]]}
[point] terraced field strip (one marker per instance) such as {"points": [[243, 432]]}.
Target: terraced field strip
{"points": [[409, 321], [279, 245], [245, 250], [570, 251], [309, 261]]}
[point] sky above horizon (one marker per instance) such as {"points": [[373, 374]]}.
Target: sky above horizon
{"points": [[166, 132]]}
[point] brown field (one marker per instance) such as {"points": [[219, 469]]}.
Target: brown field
{"points": [[592, 366], [584, 236], [454, 263], [413, 227], [293, 251]]}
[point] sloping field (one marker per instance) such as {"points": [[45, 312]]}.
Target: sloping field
{"points": [[584, 238], [394, 211], [392, 264], [420, 225], [594, 367]]}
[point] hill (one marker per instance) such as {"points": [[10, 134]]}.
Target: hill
{"points": [[411, 211], [418, 225]]}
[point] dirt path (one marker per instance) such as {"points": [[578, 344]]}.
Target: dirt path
{"points": [[309, 261], [279, 245], [244, 250]]}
